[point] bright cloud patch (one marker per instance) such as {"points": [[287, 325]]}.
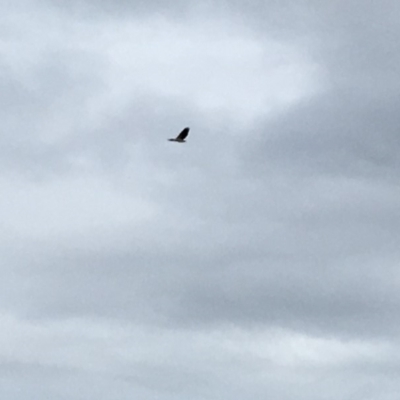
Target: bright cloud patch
{"points": [[216, 66]]}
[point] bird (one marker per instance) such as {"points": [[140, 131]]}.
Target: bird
{"points": [[182, 136]]}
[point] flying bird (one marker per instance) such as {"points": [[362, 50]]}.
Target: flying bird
{"points": [[181, 137]]}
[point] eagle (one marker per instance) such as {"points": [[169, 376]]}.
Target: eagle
{"points": [[181, 137]]}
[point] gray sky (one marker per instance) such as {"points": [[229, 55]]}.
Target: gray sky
{"points": [[260, 260]]}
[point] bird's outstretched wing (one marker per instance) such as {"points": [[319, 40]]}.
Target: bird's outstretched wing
{"points": [[183, 134]]}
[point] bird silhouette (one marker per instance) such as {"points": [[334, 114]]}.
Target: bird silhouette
{"points": [[181, 137]]}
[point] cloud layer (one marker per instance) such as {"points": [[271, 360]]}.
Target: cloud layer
{"points": [[260, 259]]}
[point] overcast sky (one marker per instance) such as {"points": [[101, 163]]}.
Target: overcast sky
{"points": [[260, 260]]}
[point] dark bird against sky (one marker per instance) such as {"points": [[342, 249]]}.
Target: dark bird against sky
{"points": [[181, 137]]}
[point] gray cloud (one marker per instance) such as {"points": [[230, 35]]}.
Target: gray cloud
{"points": [[259, 259]]}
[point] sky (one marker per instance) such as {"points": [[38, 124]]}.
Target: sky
{"points": [[259, 260]]}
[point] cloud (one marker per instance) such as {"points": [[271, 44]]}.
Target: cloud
{"points": [[157, 360], [260, 258]]}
